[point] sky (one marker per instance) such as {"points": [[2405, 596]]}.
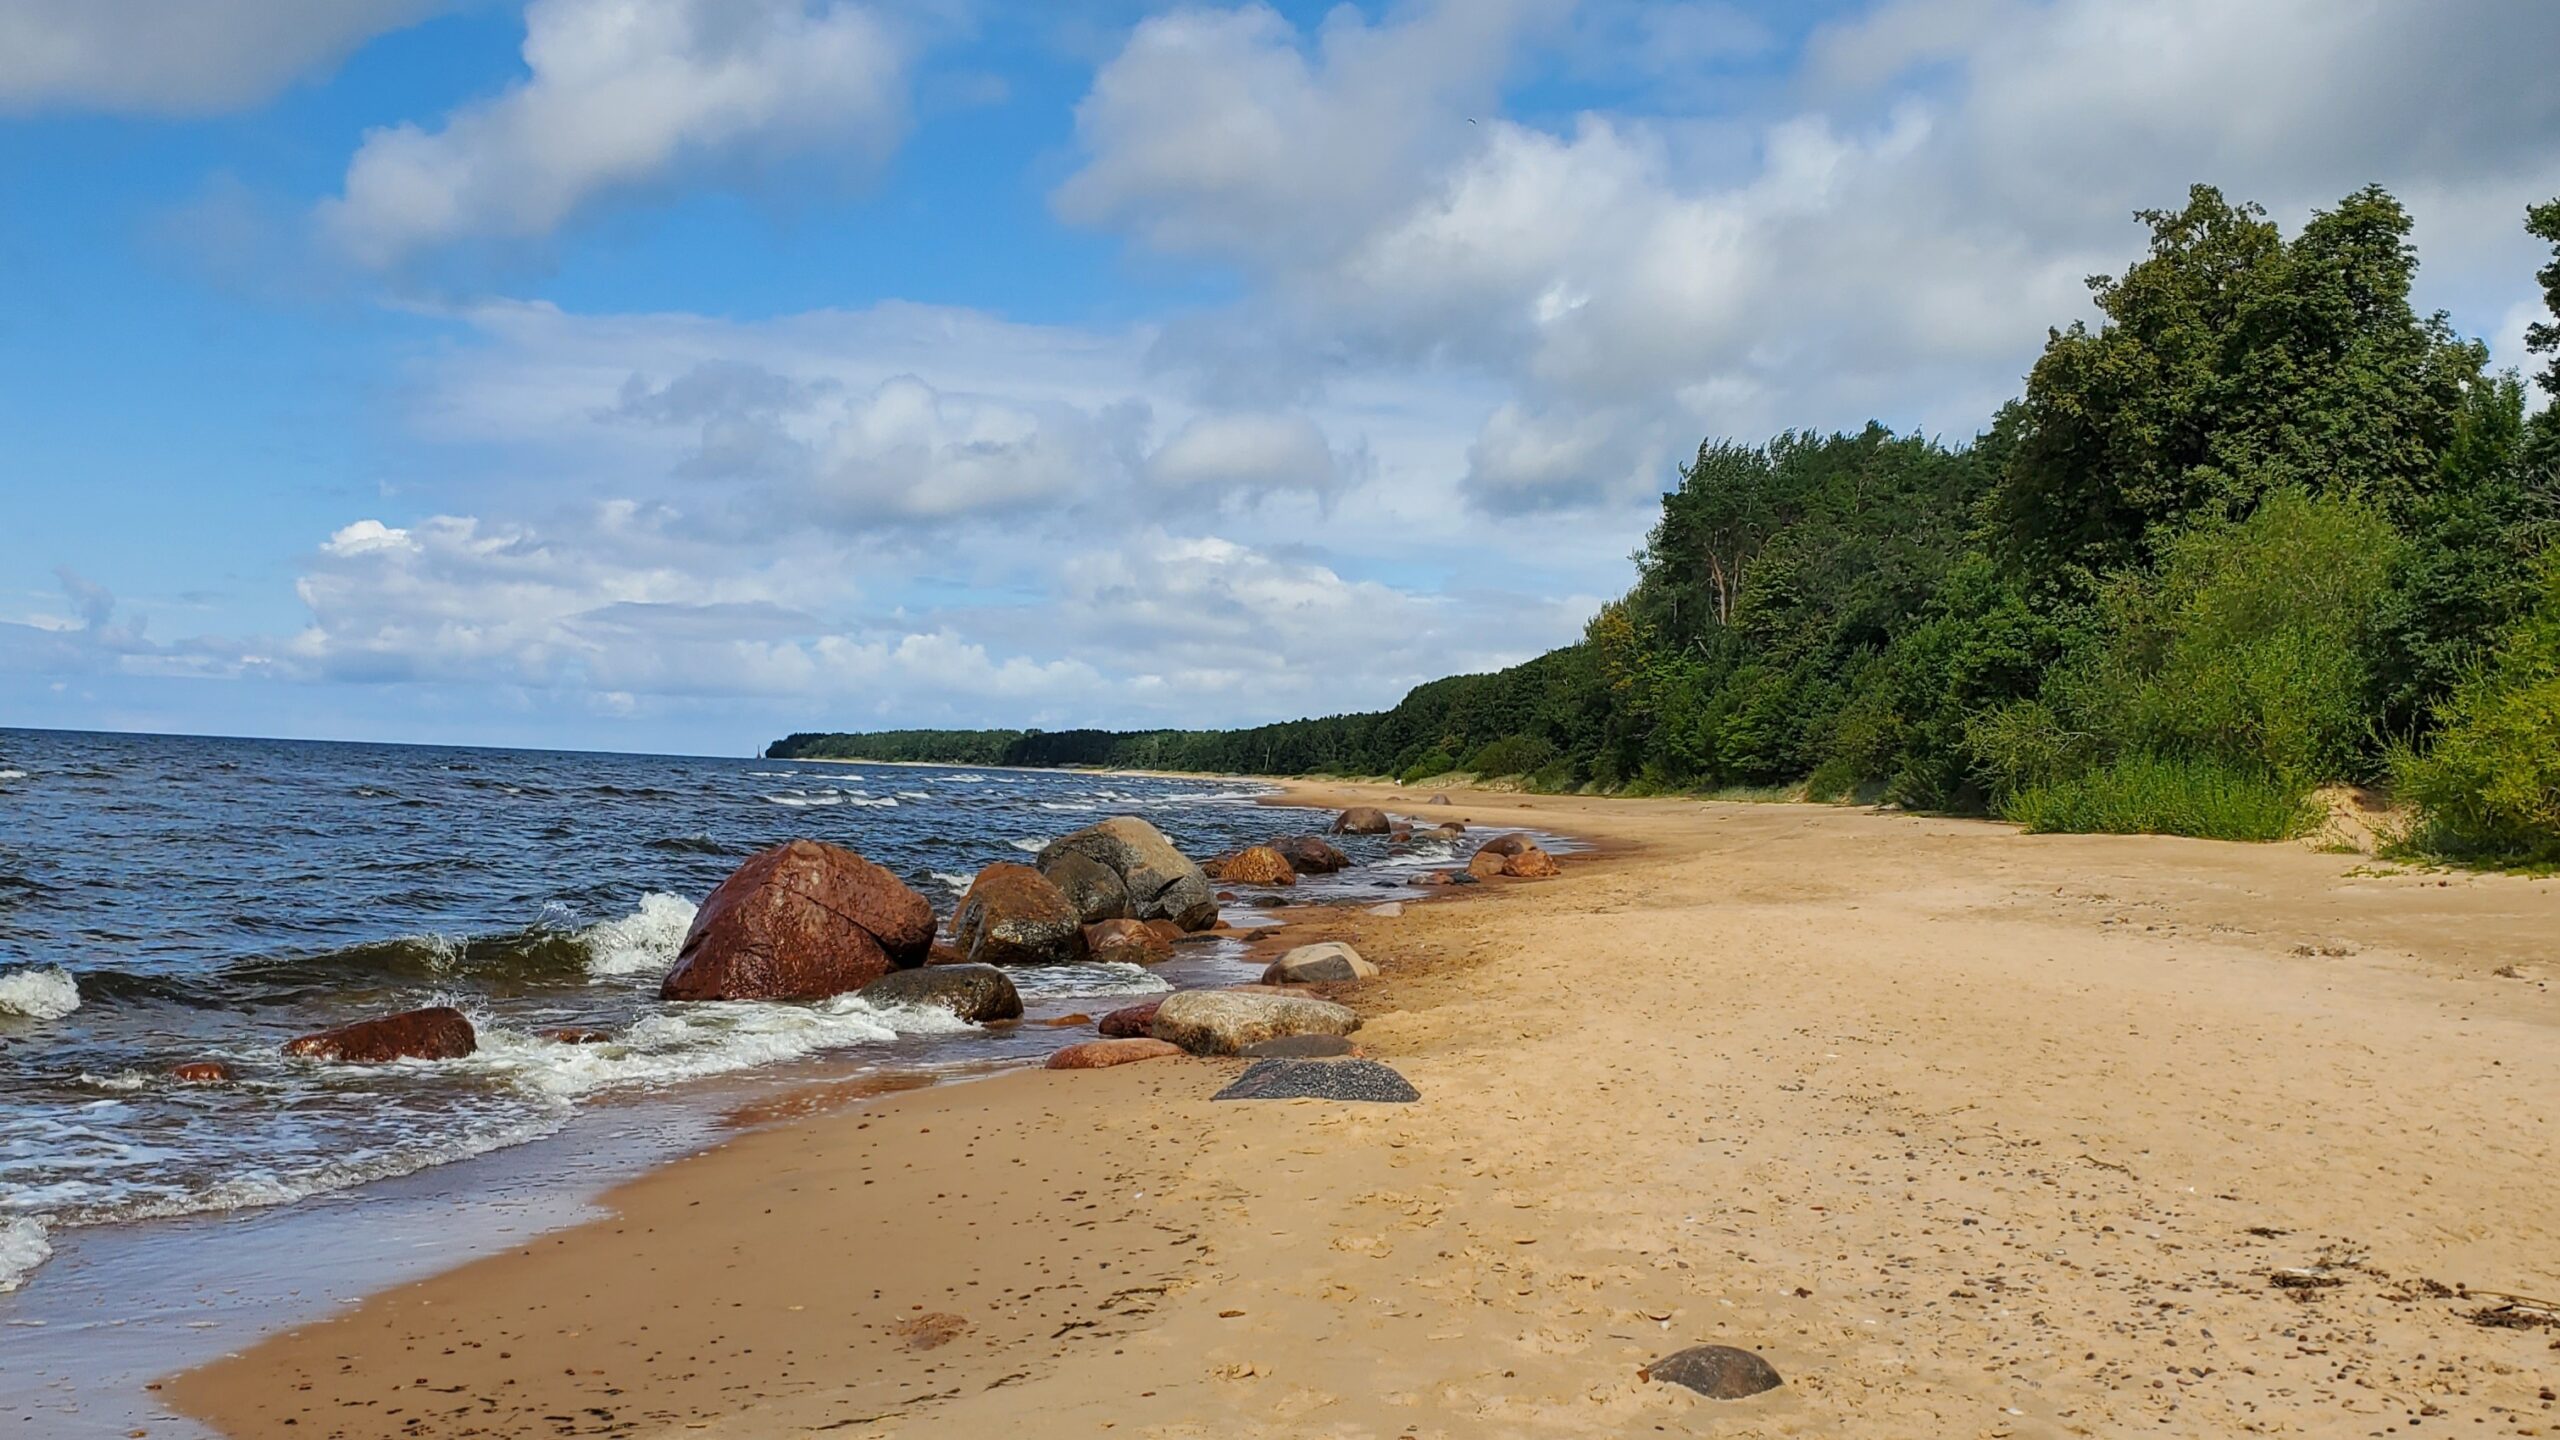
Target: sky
{"points": [[673, 374]]}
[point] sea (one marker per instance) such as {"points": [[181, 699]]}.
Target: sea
{"points": [[168, 899]]}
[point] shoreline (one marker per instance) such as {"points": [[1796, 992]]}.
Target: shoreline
{"points": [[1924, 1110]]}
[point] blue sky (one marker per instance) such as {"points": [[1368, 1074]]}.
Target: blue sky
{"points": [[669, 374]]}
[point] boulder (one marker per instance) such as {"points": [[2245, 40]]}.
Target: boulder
{"points": [[1129, 942], [439, 1032], [574, 1035], [1161, 881], [1510, 844], [1128, 1020], [1361, 820], [1260, 865], [1400, 834], [976, 993], [1310, 855], [1068, 1022], [1309, 964], [1530, 864], [1221, 1022], [1485, 865], [801, 921], [201, 1072], [1450, 831], [1437, 800], [1719, 1372], [1012, 915], [1434, 879], [1103, 1054], [1169, 932], [1293, 1079], [1091, 886]]}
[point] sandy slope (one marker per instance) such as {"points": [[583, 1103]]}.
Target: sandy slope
{"points": [[1971, 1133]]}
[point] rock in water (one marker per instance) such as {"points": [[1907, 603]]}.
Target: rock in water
{"points": [[1128, 942], [1308, 964], [1260, 865], [1091, 886], [1162, 882], [1129, 1020], [1103, 1054], [801, 921], [1510, 844], [1719, 1372], [976, 993], [1311, 855], [575, 1035], [1301, 1047], [201, 1072], [1221, 1022], [1361, 820], [1485, 865], [1321, 1080], [439, 1032], [1451, 830], [1012, 915]]}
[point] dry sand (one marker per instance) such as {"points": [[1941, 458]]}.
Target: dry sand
{"points": [[1971, 1133]]}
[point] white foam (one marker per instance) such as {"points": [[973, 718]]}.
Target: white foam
{"points": [[1081, 805], [801, 799], [1031, 847], [692, 1041], [869, 802], [6, 775], [913, 795], [22, 1248], [43, 994], [967, 779], [1104, 977], [958, 882], [644, 941]]}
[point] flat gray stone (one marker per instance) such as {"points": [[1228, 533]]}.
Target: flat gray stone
{"points": [[1280, 1079], [1719, 1372]]}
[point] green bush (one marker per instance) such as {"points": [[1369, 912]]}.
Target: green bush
{"points": [[1436, 762], [2489, 788], [1511, 755], [2144, 794]]}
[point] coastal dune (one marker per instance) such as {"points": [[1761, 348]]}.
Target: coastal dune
{"points": [[1969, 1133]]}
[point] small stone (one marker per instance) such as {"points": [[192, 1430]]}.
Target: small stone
{"points": [[575, 1035], [1287, 1079], [1310, 964], [1103, 1054], [201, 1072], [1719, 1372]]}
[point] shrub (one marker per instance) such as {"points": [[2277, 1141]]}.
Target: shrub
{"points": [[2145, 794], [2489, 788], [1436, 762], [1511, 755]]}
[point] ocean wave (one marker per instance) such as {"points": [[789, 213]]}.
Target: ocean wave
{"points": [[958, 882], [22, 1248], [47, 993], [1106, 977], [689, 844], [913, 795], [1032, 847], [644, 941], [695, 1041]]}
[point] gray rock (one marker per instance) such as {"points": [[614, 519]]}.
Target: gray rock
{"points": [[1300, 1047], [1364, 1080], [1362, 820], [975, 993], [1092, 887], [1162, 882], [1719, 1372], [1308, 964], [1013, 915], [1222, 1022]]}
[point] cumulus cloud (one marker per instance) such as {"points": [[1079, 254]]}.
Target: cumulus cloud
{"points": [[623, 94], [178, 57]]}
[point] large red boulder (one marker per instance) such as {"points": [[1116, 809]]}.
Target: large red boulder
{"points": [[439, 1032], [1260, 865], [1129, 1020], [1012, 915], [801, 921], [1129, 942]]}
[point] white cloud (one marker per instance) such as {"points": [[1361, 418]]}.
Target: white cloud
{"points": [[178, 57], [1240, 456], [623, 94]]}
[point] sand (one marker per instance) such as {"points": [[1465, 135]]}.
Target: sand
{"points": [[1969, 1133]]}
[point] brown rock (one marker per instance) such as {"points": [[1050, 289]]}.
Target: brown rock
{"points": [[1069, 1022], [1129, 1020], [1095, 889], [201, 1072], [1310, 855], [1485, 865], [1719, 1372], [1130, 942], [439, 1032], [1012, 915], [574, 1035], [1361, 820], [1161, 881], [1530, 864], [801, 921], [1434, 879], [1103, 1054], [1437, 800], [931, 1332], [1510, 844], [1449, 830], [1168, 931], [1260, 865], [1399, 834]]}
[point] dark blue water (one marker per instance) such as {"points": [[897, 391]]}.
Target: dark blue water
{"points": [[166, 899]]}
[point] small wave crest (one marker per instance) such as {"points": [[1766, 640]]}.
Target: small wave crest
{"points": [[958, 882], [1029, 847], [46, 993], [643, 941], [7, 775], [700, 1040], [22, 1248]]}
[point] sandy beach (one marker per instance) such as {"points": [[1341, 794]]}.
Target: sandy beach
{"points": [[1970, 1133]]}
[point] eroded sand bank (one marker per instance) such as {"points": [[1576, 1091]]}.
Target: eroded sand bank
{"points": [[1971, 1133]]}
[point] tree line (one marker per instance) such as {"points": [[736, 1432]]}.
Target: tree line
{"points": [[2262, 529]]}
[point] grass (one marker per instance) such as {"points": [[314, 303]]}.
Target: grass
{"points": [[2158, 795]]}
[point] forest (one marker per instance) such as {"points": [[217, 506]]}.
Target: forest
{"points": [[2263, 529]]}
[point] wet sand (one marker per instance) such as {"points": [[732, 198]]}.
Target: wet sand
{"points": [[1970, 1133]]}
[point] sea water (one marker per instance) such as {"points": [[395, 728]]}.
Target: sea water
{"points": [[167, 899]]}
